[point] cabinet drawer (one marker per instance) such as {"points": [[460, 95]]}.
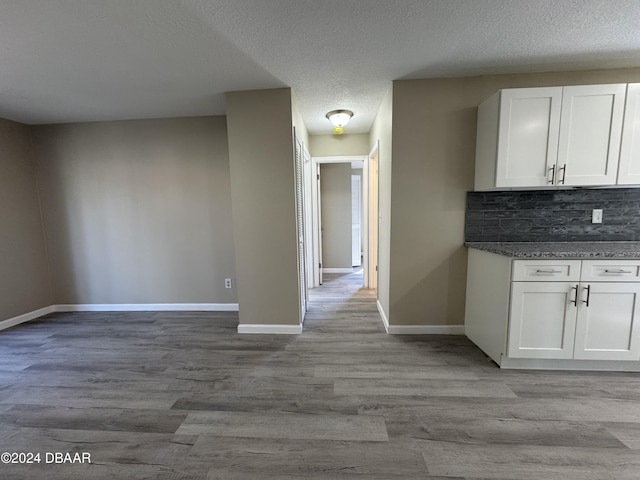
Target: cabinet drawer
{"points": [[546, 270], [610, 271]]}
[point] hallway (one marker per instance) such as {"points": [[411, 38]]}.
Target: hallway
{"points": [[342, 304]]}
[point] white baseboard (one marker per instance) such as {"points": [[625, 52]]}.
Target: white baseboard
{"points": [[426, 330], [385, 320], [12, 322], [270, 328], [418, 329], [148, 307], [337, 270], [223, 307]]}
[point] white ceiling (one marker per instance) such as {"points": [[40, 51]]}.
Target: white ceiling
{"points": [[86, 60]]}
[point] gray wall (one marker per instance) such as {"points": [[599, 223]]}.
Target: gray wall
{"points": [[24, 275], [298, 122], [434, 134], [137, 211], [381, 132], [263, 200], [338, 145], [335, 194]]}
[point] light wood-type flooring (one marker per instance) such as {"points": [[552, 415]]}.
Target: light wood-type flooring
{"points": [[165, 395]]}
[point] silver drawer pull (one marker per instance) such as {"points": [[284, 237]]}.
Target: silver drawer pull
{"points": [[617, 270], [540, 270]]}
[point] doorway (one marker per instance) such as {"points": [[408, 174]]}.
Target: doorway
{"points": [[359, 188]]}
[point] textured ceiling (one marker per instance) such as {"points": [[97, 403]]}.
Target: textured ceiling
{"points": [[85, 60]]}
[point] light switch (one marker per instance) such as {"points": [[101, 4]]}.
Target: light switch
{"points": [[596, 215]]}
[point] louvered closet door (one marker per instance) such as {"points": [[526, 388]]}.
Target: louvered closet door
{"points": [[302, 280]]}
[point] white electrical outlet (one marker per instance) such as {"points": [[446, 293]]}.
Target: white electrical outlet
{"points": [[596, 215], [227, 283]]}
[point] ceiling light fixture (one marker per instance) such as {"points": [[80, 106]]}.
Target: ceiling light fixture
{"points": [[339, 118]]}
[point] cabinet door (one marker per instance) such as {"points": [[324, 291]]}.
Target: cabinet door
{"points": [[590, 131], [607, 326], [528, 136], [629, 170], [542, 319]]}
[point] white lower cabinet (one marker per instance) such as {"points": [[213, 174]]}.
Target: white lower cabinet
{"points": [[543, 320], [554, 314], [607, 323], [594, 321], [585, 320]]}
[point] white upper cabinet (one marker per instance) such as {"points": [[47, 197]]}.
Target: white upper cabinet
{"points": [[590, 131], [629, 171], [517, 138], [550, 136], [528, 135]]}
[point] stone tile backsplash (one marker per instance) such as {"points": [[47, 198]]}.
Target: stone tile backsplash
{"points": [[553, 215]]}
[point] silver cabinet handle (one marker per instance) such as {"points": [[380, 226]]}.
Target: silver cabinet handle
{"points": [[541, 270], [588, 289], [575, 298], [553, 175], [617, 270], [564, 172]]}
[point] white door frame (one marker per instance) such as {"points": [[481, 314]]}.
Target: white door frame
{"points": [[371, 219], [315, 195], [309, 179], [356, 220]]}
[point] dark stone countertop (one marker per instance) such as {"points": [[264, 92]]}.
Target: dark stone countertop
{"points": [[577, 250]]}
